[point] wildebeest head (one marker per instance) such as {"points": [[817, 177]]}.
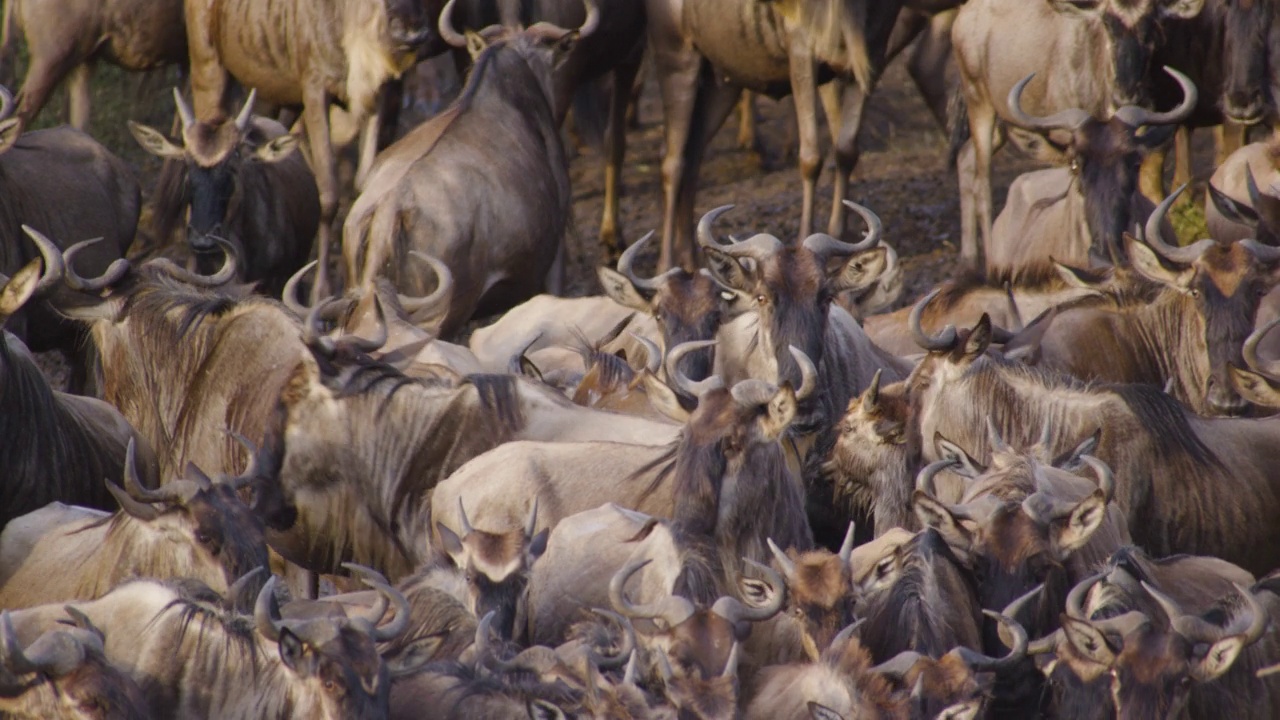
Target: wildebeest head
{"points": [[64, 674], [871, 457], [695, 642], [1152, 665], [1106, 155], [214, 153], [408, 26], [1132, 28], [819, 592], [1260, 383], [1262, 214], [337, 655], [496, 565], [790, 288], [687, 306], [703, 698], [1249, 31], [209, 532], [1020, 522], [1217, 288]]}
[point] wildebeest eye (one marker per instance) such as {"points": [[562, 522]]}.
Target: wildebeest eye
{"points": [[1195, 292], [761, 299]]}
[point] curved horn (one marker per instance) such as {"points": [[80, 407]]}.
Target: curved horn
{"points": [[246, 112], [442, 293], [848, 631], [11, 656], [237, 588], [1264, 253], [784, 562], [1070, 119], [368, 345], [620, 658], [176, 491], [924, 481], [626, 266], [673, 609], [1135, 116], [1154, 239], [313, 335], [731, 665], [1167, 604], [114, 272], [251, 470], [264, 611], [706, 237], [185, 113], [399, 622], [652, 355], [1075, 598], [532, 523], [871, 396], [445, 26], [592, 22], [201, 479], [682, 382], [846, 548], [462, 518], [825, 246], [135, 508], [483, 633], [996, 442], [898, 665], [6, 103], [1106, 478], [944, 340], [984, 663], [808, 373], [1258, 616], [1271, 368], [735, 611], [289, 296], [1015, 608], [54, 267], [224, 275]]}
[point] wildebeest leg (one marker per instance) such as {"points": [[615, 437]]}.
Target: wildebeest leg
{"points": [[748, 132], [1151, 175], [804, 90], [315, 115], [46, 71], [928, 65], [78, 96], [1182, 160], [715, 103], [1228, 138], [977, 215], [369, 142], [845, 126], [678, 70], [615, 148], [208, 76]]}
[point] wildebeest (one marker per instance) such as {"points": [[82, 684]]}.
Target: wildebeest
{"points": [[499, 230], [332, 59], [192, 527], [1260, 382], [70, 443], [65, 37], [1243, 200], [1109, 45], [1186, 483], [1105, 157], [64, 675], [240, 181], [705, 53], [1186, 336]]}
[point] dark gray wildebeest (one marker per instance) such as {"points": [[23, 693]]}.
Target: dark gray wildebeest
{"points": [[1186, 483], [192, 527], [1108, 46], [64, 675], [1259, 381], [705, 53], [240, 180], [1105, 159], [39, 172], [1186, 337], [483, 187], [193, 659], [69, 443], [66, 37], [331, 58]]}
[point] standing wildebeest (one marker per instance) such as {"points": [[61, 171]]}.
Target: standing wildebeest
{"points": [[706, 52], [68, 36], [484, 186], [328, 57], [1186, 483], [242, 182], [1087, 55], [64, 675], [70, 443], [1186, 337], [192, 527]]}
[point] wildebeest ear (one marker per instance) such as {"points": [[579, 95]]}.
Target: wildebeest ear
{"points": [[757, 591], [566, 44], [543, 710], [1232, 210], [781, 411], [934, 514], [1219, 659], [945, 448], [1070, 460], [1088, 640], [414, 655], [1076, 7], [277, 149], [151, 140], [1082, 523], [10, 129], [1082, 278], [1148, 265], [19, 289], [1182, 9], [822, 712], [293, 652], [449, 540], [538, 544], [1251, 386], [475, 44], [620, 290], [734, 272], [859, 271], [663, 398], [979, 338]]}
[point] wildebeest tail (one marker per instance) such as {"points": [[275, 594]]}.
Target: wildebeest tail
{"points": [[957, 124]]}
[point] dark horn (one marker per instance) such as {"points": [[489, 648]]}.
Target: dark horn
{"points": [[246, 112], [626, 266], [445, 26], [237, 588], [185, 113], [706, 237], [1106, 478], [114, 272], [788, 567], [871, 396], [944, 340], [313, 335], [846, 548], [1075, 598], [462, 518], [592, 22], [400, 621], [682, 382], [652, 355], [808, 373], [11, 656], [444, 287], [1135, 116], [1070, 119], [264, 611], [134, 508], [924, 481], [6, 103], [734, 610], [54, 267], [620, 658], [984, 663], [1154, 239], [224, 275], [996, 442], [290, 293], [1271, 369], [368, 345]]}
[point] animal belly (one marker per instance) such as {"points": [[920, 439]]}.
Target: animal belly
{"points": [[256, 65]]}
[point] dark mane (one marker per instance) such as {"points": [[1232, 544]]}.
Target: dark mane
{"points": [[1166, 419], [198, 606], [170, 198], [500, 398]]}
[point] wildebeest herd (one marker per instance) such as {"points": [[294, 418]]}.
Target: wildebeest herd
{"points": [[733, 486]]}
